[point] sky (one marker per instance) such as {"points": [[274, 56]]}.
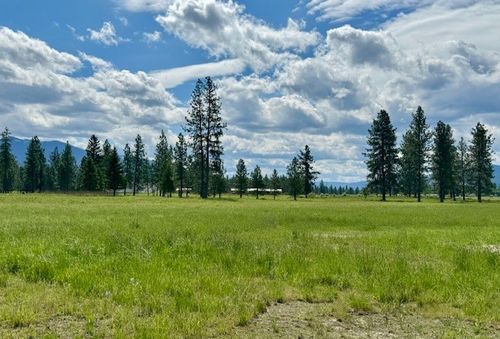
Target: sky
{"points": [[289, 72]]}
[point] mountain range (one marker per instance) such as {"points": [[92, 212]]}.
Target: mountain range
{"points": [[19, 147]]}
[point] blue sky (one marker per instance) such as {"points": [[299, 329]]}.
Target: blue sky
{"points": [[290, 72]]}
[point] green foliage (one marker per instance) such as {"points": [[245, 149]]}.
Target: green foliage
{"points": [[8, 164], [382, 155], [308, 173], [181, 162], [257, 180], [114, 171], [443, 159], [481, 154], [139, 158], [241, 177], [295, 178], [34, 166]]}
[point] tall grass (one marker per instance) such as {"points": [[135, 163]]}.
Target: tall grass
{"points": [[145, 265]]}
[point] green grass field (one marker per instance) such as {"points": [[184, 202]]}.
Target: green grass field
{"points": [[149, 266]]}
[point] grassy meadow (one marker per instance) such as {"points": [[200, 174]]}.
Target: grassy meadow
{"points": [[149, 266]]}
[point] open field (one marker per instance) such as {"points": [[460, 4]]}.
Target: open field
{"points": [[148, 266]]}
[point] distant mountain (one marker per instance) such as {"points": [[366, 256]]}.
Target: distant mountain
{"points": [[19, 147], [496, 172]]}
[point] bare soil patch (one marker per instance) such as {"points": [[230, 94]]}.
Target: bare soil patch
{"points": [[319, 320]]}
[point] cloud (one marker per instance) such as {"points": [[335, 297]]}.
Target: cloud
{"points": [[342, 10], [173, 77], [152, 37], [40, 96], [26, 53], [224, 30], [144, 5], [106, 35], [75, 34], [96, 63]]}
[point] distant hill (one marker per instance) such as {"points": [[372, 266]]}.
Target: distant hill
{"points": [[19, 147]]}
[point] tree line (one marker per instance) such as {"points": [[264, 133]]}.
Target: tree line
{"points": [[428, 160], [193, 164]]}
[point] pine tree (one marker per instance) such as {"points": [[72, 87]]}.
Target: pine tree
{"points": [[241, 177], [52, 171], [91, 166], [462, 166], [382, 155], [257, 180], [217, 173], [162, 155], [89, 174], [114, 171], [442, 159], [275, 183], [295, 179], [309, 174], [195, 127], [214, 130], [407, 175], [8, 163], [106, 158], [481, 154], [167, 180], [421, 139], [181, 159], [128, 168], [139, 156], [34, 166], [67, 169]]}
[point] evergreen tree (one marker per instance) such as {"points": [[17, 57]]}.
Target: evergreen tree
{"points": [[128, 168], [308, 173], [114, 171], [214, 130], [167, 180], [462, 166], [91, 166], [295, 179], [89, 175], [139, 156], [257, 180], [241, 177], [162, 155], [421, 141], [181, 162], [382, 155], [481, 154], [195, 127], [8, 163], [52, 171], [443, 158], [107, 151], [67, 169], [407, 175], [275, 183], [34, 166], [147, 174], [322, 187]]}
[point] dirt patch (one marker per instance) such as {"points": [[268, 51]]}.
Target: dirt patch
{"points": [[61, 326], [307, 320]]}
